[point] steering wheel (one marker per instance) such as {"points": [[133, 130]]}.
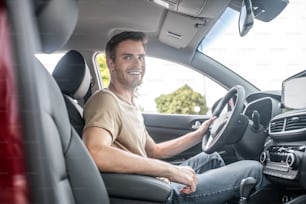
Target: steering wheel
{"points": [[224, 125]]}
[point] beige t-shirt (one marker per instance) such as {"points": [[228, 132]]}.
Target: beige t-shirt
{"points": [[123, 121]]}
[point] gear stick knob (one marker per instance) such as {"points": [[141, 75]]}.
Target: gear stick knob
{"points": [[246, 186]]}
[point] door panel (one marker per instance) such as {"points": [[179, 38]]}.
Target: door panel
{"points": [[163, 127]]}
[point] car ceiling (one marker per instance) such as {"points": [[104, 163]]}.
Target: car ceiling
{"points": [[100, 19]]}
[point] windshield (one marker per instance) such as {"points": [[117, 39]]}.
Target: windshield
{"points": [[268, 54]]}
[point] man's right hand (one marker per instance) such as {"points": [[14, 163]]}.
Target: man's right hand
{"points": [[185, 175]]}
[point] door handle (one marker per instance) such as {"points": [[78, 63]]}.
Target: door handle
{"points": [[196, 124]]}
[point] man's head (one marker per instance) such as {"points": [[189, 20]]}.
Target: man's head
{"points": [[113, 43], [125, 56]]}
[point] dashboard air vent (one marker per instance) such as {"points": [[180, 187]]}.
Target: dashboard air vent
{"points": [[290, 123], [289, 126], [277, 125], [295, 122]]}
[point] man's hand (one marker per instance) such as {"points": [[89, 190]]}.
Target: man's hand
{"points": [[185, 175], [204, 127]]}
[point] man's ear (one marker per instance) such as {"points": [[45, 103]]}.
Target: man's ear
{"points": [[110, 64]]}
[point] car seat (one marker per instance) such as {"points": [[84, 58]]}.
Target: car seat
{"points": [[72, 75], [73, 175], [59, 168]]}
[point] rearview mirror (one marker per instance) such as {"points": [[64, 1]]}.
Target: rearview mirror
{"points": [[246, 17]]}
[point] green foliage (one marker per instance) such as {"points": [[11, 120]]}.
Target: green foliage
{"points": [[104, 72], [182, 101]]}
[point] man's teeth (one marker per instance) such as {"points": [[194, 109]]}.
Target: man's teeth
{"points": [[135, 72]]}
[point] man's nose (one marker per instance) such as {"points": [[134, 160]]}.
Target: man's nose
{"points": [[138, 61]]}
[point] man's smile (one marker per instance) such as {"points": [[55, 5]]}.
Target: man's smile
{"points": [[135, 72]]}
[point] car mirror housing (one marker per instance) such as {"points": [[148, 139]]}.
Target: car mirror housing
{"points": [[246, 17]]}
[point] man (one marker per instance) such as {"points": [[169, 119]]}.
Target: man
{"points": [[116, 136]]}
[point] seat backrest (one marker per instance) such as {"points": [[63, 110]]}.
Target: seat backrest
{"points": [[74, 176], [73, 77], [59, 168]]}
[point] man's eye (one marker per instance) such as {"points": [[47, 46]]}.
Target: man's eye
{"points": [[127, 57]]}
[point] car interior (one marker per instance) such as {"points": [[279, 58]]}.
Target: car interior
{"points": [[43, 157]]}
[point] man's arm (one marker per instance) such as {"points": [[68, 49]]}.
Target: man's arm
{"points": [[173, 147], [111, 159]]}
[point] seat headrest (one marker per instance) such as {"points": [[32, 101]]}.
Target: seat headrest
{"points": [[56, 22], [72, 75]]}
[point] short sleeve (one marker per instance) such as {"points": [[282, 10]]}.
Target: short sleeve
{"points": [[101, 110]]}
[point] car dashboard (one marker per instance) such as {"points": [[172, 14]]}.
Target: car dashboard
{"points": [[283, 115], [283, 157], [284, 152]]}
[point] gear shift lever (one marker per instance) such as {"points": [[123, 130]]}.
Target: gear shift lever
{"points": [[246, 187]]}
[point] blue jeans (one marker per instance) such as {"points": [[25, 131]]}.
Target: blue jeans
{"points": [[217, 182]]}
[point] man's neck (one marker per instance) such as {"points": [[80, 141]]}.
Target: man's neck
{"points": [[124, 94]]}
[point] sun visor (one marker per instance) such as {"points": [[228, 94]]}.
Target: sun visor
{"points": [[56, 22], [178, 30], [187, 7]]}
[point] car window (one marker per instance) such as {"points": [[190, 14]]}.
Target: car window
{"points": [[171, 88], [167, 87], [268, 54], [49, 60]]}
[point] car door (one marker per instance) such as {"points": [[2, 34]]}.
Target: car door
{"points": [[175, 100], [163, 127]]}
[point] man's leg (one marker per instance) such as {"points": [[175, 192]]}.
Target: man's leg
{"points": [[203, 162], [221, 184]]}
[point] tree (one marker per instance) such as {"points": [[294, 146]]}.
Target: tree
{"points": [[104, 72], [182, 101]]}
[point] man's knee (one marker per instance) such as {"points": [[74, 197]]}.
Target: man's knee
{"points": [[257, 166], [255, 169], [249, 168], [217, 158]]}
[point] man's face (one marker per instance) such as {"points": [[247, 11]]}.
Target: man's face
{"points": [[128, 68]]}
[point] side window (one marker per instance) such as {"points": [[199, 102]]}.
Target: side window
{"points": [[170, 88], [174, 89], [102, 66], [49, 60]]}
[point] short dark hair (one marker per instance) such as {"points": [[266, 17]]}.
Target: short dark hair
{"points": [[118, 38]]}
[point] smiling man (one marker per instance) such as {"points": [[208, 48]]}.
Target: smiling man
{"points": [[116, 136], [126, 64]]}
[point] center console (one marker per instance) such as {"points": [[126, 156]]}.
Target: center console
{"points": [[283, 161], [284, 155]]}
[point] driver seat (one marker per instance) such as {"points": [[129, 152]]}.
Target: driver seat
{"points": [[72, 75]]}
